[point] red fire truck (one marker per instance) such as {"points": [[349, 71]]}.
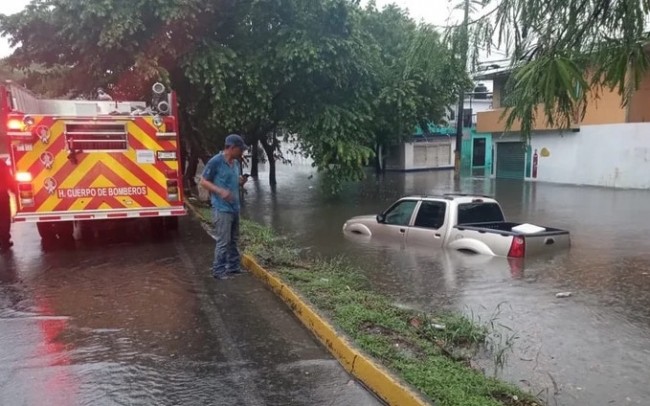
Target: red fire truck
{"points": [[77, 162]]}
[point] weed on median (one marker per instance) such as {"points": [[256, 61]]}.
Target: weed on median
{"points": [[430, 352]]}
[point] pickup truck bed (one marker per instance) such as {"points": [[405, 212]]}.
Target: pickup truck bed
{"points": [[505, 228], [535, 243]]}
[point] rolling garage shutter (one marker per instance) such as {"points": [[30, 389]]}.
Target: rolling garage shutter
{"points": [[511, 160], [434, 155]]}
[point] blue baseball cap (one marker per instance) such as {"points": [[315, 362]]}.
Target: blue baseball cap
{"points": [[235, 140]]}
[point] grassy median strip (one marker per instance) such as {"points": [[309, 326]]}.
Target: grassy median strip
{"points": [[430, 352]]}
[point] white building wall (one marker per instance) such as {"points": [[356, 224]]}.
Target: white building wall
{"points": [[410, 161], [612, 155]]}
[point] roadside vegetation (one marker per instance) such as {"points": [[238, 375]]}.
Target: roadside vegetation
{"points": [[431, 352]]}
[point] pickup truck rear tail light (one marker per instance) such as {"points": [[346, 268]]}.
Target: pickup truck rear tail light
{"points": [[517, 247]]}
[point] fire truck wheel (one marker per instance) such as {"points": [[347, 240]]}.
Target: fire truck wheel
{"points": [[171, 223], [65, 230], [47, 231]]}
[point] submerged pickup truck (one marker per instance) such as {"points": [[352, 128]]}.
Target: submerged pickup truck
{"points": [[474, 224]]}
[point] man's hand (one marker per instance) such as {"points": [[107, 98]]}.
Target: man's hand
{"points": [[243, 180], [226, 195]]}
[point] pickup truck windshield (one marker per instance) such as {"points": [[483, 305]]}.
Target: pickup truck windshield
{"points": [[479, 213]]}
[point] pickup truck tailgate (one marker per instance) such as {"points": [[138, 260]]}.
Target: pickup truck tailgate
{"points": [[546, 242]]}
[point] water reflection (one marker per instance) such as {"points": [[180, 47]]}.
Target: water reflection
{"points": [[99, 323], [591, 348]]}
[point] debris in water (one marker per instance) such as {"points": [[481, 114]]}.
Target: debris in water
{"points": [[564, 294], [438, 326]]}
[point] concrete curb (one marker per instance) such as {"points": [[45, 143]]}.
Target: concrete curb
{"points": [[375, 377]]}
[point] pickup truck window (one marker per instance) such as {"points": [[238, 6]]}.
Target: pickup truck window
{"points": [[400, 214], [431, 215], [479, 213]]}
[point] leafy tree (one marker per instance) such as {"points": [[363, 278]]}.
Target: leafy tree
{"points": [[563, 53], [283, 64], [338, 80], [417, 76], [247, 66]]}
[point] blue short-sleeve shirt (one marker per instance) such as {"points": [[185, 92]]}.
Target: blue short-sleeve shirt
{"points": [[225, 176]]}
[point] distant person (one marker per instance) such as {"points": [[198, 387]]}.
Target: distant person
{"points": [[222, 177], [7, 184]]}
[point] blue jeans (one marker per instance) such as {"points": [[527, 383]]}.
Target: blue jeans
{"points": [[226, 253]]}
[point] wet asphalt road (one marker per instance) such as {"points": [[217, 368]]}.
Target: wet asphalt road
{"points": [[136, 320]]}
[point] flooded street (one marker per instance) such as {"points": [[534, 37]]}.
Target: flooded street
{"points": [[133, 321], [592, 348]]}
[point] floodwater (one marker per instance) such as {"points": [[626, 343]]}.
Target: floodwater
{"points": [[592, 348], [136, 320]]}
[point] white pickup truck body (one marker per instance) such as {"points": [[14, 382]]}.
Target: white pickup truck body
{"points": [[473, 224]]}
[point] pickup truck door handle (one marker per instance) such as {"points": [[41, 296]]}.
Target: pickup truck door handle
{"points": [[549, 241], [437, 235], [402, 230]]}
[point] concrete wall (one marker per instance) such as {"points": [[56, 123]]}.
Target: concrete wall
{"points": [[410, 151], [403, 158], [639, 106], [603, 108], [612, 155]]}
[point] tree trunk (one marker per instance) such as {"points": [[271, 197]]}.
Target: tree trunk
{"points": [[269, 148], [255, 160], [379, 159], [192, 164]]}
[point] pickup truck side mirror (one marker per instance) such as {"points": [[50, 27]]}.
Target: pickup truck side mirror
{"points": [[380, 218]]}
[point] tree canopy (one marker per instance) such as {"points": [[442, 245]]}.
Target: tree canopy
{"points": [[339, 80]]}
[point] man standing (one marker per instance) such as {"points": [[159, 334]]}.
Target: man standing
{"points": [[7, 184], [222, 178]]}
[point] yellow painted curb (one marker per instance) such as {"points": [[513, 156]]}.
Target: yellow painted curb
{"points": [[375, 377]]}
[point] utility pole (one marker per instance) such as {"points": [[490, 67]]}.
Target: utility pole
{"points": [[464, 45]]}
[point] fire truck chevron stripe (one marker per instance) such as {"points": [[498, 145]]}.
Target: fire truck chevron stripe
{"points": [[55, 144], [88, 170], [164, 165], [135, 173], [102, 176], [110, 178], [64, 175], [148, 139], [69, 176], [148, 128]]}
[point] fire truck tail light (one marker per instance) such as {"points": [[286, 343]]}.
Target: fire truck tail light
{"points": [[172, 190], [26, 194], [23, 177], [15, 124]]}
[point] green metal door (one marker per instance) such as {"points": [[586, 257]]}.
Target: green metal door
{"points": [[511, 160]]}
